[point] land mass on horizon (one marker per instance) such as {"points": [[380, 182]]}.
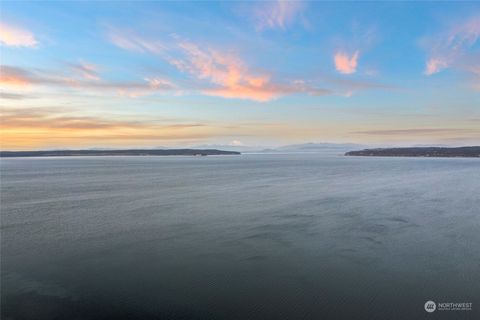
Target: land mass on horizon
{"points": [[126, 152], [464, 152]]}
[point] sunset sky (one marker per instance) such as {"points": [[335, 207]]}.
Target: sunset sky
{"points": [[178, 74]]}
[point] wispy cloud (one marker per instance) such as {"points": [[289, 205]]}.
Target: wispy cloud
{"points": [[446, 48], [345, 63], [416, 131], [15, 77], [86, 70], [13, 96], [220, 72], [49, 118], [15, 36], [129, 40], [24, 128], [347, 86], [20, 78], [276, 14], [232, 77]]}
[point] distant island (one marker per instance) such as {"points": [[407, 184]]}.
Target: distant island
{"points": [[130, 152], [467, 152]]}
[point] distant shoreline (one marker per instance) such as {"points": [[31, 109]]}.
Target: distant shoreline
{"points": [[429, 152], [129, 152]]}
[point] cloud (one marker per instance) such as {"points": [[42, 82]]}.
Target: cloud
{"points": [[20, 78], [344, 63], [14, 36], [448, 47], [38, 120], [276, 14], [86, 70], [159, 83], [38, 127], [434, 65], [348, 87], [232, 77], [220, 73], [14, 77], [128, 40], [13, 96], [360, 39], [420, 131]]}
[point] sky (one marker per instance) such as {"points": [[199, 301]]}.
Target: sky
{"points": [[114, 74]]}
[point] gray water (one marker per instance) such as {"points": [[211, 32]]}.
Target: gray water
{"points": [[299, 236]]}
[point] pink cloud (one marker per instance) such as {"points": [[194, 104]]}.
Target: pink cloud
{"points": [[227, 74], [14, 36], [277, 14], [86, 70], [344, 63], [15, 77], [233, 79], [435, 65], [448, 47], [243, 92]]}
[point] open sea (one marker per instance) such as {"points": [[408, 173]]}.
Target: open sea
{"points": [[256, 236]]}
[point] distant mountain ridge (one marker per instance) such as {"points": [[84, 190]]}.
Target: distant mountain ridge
{"points": [[319, 146], [303, 147]]}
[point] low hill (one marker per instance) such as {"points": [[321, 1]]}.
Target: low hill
{"points": [[470, 152], [132, 152]]}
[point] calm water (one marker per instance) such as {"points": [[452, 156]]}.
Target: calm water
{"points": [[239, 237]]}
